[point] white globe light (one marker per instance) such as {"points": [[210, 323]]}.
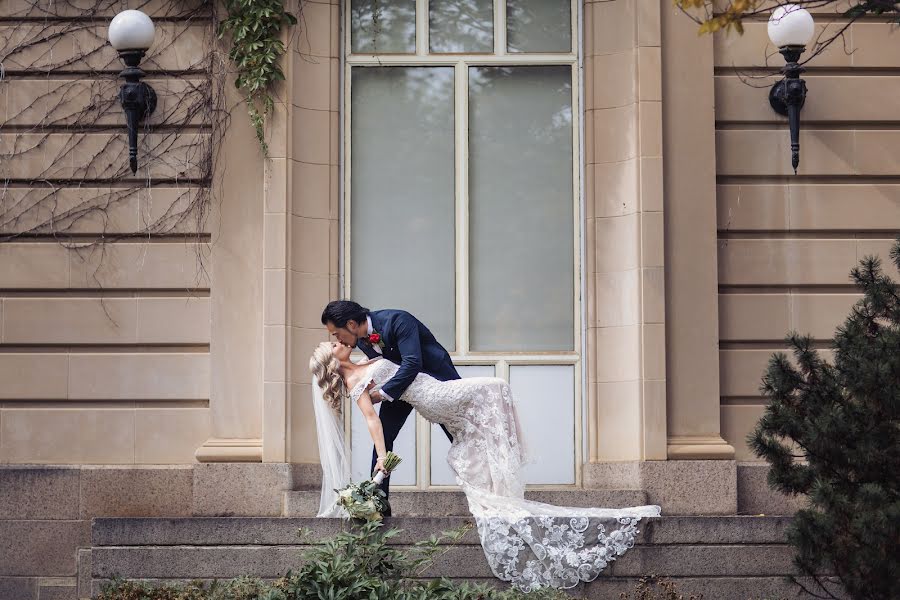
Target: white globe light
{"points": [[791, 25], [131, 30]]}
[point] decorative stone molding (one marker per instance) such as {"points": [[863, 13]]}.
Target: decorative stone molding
{"points": [[230, 450], [699, 447]]}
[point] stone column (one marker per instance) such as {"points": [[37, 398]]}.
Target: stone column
{"points": [[692, 328], [314, 175], [624, 242], [236, 297]]}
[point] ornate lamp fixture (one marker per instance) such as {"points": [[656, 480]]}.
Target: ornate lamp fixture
{"points": [[131, 32], [791, 28]]}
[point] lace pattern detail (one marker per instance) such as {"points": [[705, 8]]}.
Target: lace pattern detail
{"points": [[559, 552], [529, 544]]}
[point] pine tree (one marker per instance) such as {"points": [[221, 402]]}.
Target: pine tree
{"points": [[831, 432]]}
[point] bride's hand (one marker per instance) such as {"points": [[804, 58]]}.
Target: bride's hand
{"points": [[379, 466]]}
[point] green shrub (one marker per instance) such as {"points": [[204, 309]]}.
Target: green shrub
{"points": [[357, 564], [843, 421]]}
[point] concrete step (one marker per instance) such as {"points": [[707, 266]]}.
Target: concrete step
{"points": [[282, 531], [724, 558], [305, 503]]}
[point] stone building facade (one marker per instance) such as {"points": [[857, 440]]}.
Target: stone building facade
{"points": [[165, 373]]}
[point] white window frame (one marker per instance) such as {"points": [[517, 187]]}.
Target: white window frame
{"points": [[461, 62]]}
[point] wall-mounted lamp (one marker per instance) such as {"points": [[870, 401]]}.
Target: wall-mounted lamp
{"points": [[131, 32], [791, 28]]}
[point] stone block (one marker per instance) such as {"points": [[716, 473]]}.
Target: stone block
{"points": [[96, 435], [35, 492], [18, 588], [136, 491], [240, 489], [705, 561], [714, 530], [41, 548], [306, 476], [144, 376], [756, 497], [679, 487], [181, 562]]}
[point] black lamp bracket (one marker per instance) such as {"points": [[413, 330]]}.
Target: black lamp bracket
{"points": [[138, 99], [788, 96]]}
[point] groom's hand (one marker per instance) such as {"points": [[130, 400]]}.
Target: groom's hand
{"points": [[375, 395]]}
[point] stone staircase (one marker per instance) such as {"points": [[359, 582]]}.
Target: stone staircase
{"points": [[66, 529], [721, 557]]}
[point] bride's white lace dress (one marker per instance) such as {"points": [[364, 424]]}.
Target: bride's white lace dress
{"points": [[529, 544]]}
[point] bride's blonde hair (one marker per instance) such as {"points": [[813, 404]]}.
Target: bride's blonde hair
{"points": [[324, 365]]}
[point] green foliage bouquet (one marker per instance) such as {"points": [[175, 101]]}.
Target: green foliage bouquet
{"points": [[365, 500]]}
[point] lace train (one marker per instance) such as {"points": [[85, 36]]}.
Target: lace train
{"points": [[529, 544]]}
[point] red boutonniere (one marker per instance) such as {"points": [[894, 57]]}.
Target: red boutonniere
{"points": [[375, 339]]}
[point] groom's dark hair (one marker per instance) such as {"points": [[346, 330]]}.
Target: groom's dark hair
{"points": [[341, 311]]}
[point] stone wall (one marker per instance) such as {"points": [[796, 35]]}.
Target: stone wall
{"points": [[786, 243], [104, 287]]}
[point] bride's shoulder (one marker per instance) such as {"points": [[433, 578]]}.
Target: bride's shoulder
{"points": [[363, 374]]}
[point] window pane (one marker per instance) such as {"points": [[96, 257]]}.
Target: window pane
{"points": [[402, 211], [461, 25], [521, 203], [387, 26], [545, 400], [538, 26]]}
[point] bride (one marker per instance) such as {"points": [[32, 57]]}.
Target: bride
{"points": [[530, 544]]}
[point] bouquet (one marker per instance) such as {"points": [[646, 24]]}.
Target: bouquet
{"points": [[365, 500]]}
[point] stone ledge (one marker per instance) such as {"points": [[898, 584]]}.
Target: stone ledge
{"points": [[258, 531], [680, 487], [453, 503], [282, 531]]}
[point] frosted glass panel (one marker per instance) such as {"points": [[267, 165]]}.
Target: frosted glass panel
{"points": [[545, 399], [461, 25], [538, 26], [440, 470], [402, 194], [361, 449], [521, 209], [387, 26]]}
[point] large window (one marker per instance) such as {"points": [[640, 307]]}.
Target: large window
{"points": [[461, 204]]}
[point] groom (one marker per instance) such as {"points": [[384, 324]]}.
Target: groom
{"points": [[400, 338]]}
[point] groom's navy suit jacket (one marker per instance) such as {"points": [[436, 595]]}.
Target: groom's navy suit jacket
{"points": [[408, 343]]}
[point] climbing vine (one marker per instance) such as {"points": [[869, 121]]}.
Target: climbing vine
{"points": [[256, 29]]}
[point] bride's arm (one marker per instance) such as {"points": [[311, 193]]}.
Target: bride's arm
{"points": [[374, 424]]}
